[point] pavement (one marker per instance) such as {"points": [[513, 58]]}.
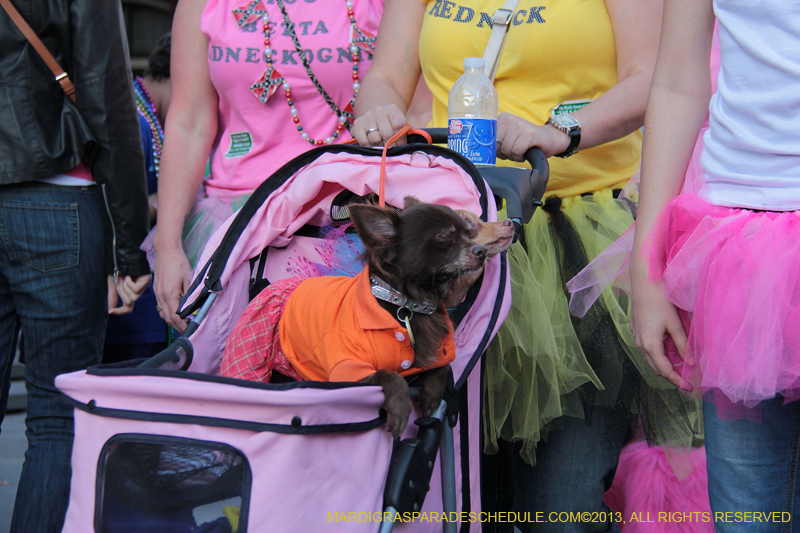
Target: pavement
{"points": [[12, 451]]}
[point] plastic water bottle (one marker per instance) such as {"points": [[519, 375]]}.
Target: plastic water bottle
{"points": [[472, 113]]}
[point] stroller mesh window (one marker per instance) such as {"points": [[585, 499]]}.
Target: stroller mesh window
{"points": [[169, 484]]}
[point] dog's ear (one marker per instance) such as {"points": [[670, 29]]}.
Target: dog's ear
{"points": [[408, 201], [376, 226]]}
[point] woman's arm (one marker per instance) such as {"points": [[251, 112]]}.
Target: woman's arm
{"points": [[620, 110], [188, 136], [388, 87], [420, 110], [677, 106]]}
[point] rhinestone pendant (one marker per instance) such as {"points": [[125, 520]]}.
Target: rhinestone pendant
{"points": [[267, 84], [249, 12], [363, 39]]}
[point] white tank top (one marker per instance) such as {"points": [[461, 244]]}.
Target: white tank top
{"points": [[751, 155]]}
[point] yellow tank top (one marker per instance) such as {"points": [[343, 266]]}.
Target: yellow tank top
{"points": [[557, 58]]}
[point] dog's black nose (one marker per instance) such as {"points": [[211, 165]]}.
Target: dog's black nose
{"points": [[479, 252]]}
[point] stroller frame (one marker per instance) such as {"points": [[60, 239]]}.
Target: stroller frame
{"points": [[405, 490]]}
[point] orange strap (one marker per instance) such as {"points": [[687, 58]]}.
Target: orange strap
{"points": [[61, 76], [382, 191], [403, 131], [422, 133]]}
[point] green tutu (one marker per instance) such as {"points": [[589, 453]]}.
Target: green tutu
{"points": [[208, 213], [545, 364]]}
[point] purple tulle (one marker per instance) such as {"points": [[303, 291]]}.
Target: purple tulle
{"points": [[339, 251]]}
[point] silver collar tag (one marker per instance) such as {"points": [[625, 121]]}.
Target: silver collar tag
{"points": [[383, 291]]}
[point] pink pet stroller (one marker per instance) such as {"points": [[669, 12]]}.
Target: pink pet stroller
{"points": [[159, 448]]}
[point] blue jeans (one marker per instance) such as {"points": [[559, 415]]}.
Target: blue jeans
{"points": [[574, 468], [752, 466], [52, 284]]}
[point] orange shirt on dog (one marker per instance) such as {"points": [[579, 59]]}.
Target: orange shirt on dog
{"points": [[333, 329]]}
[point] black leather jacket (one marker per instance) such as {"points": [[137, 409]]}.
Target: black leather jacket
{"points": [[42, 133]]}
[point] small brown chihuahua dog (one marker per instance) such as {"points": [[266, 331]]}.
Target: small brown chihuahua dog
{"points": [[424, 253], [417, 260]]}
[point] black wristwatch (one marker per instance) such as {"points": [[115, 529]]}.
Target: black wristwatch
{"points": [[571, 127]]}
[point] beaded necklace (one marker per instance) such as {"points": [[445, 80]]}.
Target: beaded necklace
{"points": [[147, 109], [268, 84]]}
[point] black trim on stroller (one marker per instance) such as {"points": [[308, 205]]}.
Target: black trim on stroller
{"points": [[104, 370], [466, 496], [295, 428], [492, 321]]}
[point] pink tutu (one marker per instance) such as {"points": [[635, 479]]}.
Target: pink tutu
{"points": [[734, 275], [652, 499]]}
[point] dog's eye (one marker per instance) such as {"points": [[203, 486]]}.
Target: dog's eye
{"points": [[445, 238], [472, 228]]}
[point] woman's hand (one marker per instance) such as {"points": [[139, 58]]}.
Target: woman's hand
{"points": [[115, 305], [127, 290], [130, 289], [515, 136], [378, 125], [653, 319], [172, 280]]}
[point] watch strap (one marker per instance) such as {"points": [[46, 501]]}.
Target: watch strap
{"points": [[574, 141]]}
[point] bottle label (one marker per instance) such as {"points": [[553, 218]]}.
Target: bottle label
{"points": [[474, 138]]}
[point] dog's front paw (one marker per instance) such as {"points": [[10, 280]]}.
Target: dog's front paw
{"points": [[397, 402], [398, 409], [433, 384]]}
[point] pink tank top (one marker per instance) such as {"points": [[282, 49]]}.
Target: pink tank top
{"points": [[254, 139]]}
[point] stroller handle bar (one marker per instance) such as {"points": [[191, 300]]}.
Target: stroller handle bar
{"points": [[534, 156]]}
